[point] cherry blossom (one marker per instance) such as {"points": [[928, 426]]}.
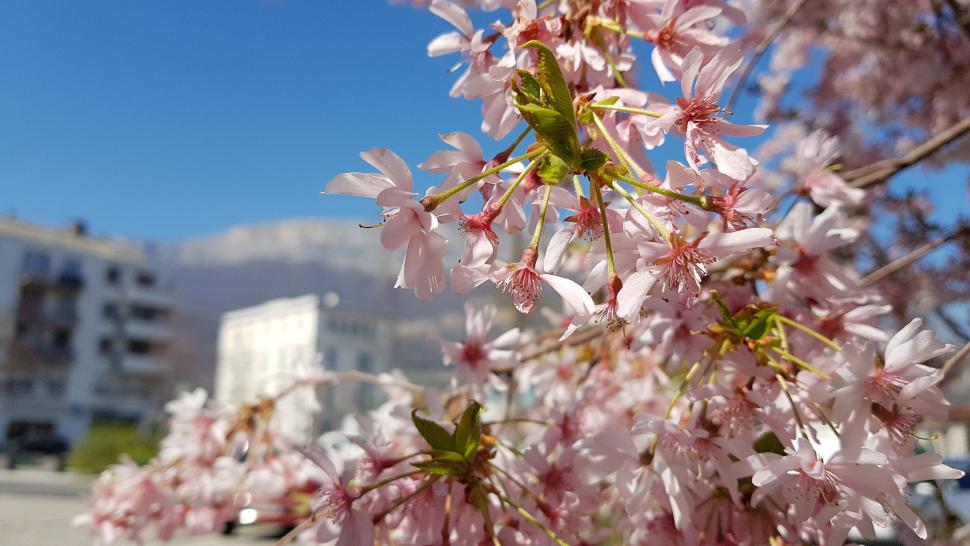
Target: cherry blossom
{"points": [[713, 371]]}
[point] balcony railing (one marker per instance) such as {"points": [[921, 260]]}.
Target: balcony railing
{"points": [[63, 317], [67, 281], [150, 296], [143, 365], [155, 330]]}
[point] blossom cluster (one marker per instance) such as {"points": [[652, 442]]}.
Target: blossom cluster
{"points": [[718, 374], [214, 461]]}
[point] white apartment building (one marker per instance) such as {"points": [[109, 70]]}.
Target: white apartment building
{"points": [[83, 332], [263, 348]]}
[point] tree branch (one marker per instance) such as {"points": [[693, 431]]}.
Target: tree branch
{"points": [[880, 171], [911, 258], [956, 358]]}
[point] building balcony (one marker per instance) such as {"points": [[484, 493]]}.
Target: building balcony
{"points": [[26, 352], [65, 317], [148, 366], [155, 330], [150, 297], [66, 281]]}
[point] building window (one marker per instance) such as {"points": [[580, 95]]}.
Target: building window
{"points": [[139, 347], [145, 279], [142, 312], [55, 388], [62, 339], [18, 387], [113, 276], [365, 363], [105, 346], [110, 311], [366, 394]]}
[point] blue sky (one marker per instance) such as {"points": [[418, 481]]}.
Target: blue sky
{"points": [[166, 120]]}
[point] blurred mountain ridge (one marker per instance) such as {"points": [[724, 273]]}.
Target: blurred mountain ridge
{"points": [[249, 264]]}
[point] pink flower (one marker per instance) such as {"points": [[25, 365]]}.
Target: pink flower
{"points": [[805, 270], [423, 269], [741, 207], [849, 319], [696, 115], [474, 357], [674, 33], [901, 382], [484, 78], [811, 164], [843, 482], [481, 241], [586, 222], [524, 282], [682, 264], [464, 162], [405, 220], [350, 526]]}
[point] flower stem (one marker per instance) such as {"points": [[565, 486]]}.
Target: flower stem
{"points": [[383, 513], [617, 75], [504, 154], [618, 28], [627, 109], [621, 154], [696, 200], [801, 363], [518, 180], [531, 519], [435, 200], [370, 487], [594, 189], [794, 407], [537, 236], [809, 331], [661, 230], [682, 388], [578, 186]]}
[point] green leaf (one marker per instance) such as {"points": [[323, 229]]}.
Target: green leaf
{"points": [[760, 324], [552, 169], [530, 87], [552, 81], [769, 443], [433, 433], [558, 133], [441, 455], [614, 171], [469, 431], [725, 312], [440, 468], [593, 159]]}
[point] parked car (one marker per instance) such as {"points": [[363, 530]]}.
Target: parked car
{"points": [[30, 448]]}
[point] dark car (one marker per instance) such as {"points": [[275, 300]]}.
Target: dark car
{"points": [[20, 450]]}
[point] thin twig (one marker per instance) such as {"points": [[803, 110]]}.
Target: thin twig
{"points": [[578, 338], [296, 531], [955, 359], [880, 171], [760, 50], [909, 259]]}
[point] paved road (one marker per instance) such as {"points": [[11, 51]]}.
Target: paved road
{"points": [[36, 509]]}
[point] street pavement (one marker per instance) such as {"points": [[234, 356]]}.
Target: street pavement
{"points": [[36, 508]]}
